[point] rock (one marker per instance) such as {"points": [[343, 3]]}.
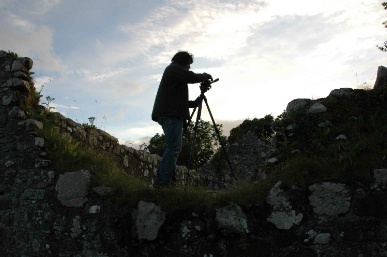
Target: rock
{"points": [[16, 113], [311, 234], [22, 64], [297, 104], [341, 137], [149, 220], [39, 141], [95, 209], [322, 239], [31, 124], [272, 160], [329, 198], [76, 229], [282, 216], [381, 78], [42, 163], [72, 188], [325, 124], [232, 219], [33, 194], [9, 163], [35, 245], [341, 92], [102, 190], [380, 179], [291, 127], [317, 108], [18, 84], [7, 99]]}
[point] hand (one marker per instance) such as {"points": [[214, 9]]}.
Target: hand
{"points": [[208, 76]]}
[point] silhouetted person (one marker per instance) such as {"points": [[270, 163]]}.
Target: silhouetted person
{"points": [[171, 111]]}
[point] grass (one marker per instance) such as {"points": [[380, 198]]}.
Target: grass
{"points": [[68, 154]]}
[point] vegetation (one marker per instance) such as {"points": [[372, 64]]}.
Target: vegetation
{"points": [[13, 54], [344, 144], [205, 145], [48, 102], [260, 127]]}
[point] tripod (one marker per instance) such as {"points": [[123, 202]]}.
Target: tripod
{"points": [[204, 87]]}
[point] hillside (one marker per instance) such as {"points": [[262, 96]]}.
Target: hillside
{"points": [[72, 190]]}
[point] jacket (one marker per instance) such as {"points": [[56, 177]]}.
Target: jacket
{"points": [[172, 95]]}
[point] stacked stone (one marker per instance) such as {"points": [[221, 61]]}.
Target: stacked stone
{"points": [[25, 182], [135, 162]]}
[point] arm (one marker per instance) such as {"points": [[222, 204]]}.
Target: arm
{"points": [[194, 104], [177, 71]]}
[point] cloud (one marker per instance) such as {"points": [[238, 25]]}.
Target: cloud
{"points": [[136, 144], [22, 33], [41, 7], [39, 46], [137, 131], [36, 8], [102, 74], [197, 26], [41, 81], [64, 107]]}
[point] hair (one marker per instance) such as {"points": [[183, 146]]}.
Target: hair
{"points": [[182, 57]]}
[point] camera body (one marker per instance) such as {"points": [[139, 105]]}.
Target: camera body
{"points": [[206, 85]]}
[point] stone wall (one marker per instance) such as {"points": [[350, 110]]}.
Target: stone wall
{"points": [[43, 213], [136, 162], [247, 157]]}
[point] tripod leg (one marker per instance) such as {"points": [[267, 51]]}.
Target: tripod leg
{"points": [[193, 138], [219, 138], [192, 114]]}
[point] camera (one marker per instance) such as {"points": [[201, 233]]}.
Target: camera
{"points": [[206, 85]]}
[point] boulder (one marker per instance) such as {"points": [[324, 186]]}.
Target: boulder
{"points": [[283, 215], [72, 188], [297, 104], [341, 92], [149, 219], [317, 108], [380, 179], [232, 219], [330, 199]]}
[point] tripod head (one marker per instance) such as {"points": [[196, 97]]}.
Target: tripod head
{"points": [[206, 85]]}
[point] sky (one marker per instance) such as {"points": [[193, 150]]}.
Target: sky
{"points": [[105, 58]]}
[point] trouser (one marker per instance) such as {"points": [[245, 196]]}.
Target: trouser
{"points": [[173, 131]]}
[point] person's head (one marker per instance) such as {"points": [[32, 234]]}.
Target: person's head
{"points": [[184, 58]]}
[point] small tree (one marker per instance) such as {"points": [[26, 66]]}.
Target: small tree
{"points": [[206, 144], [260, 127]]}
